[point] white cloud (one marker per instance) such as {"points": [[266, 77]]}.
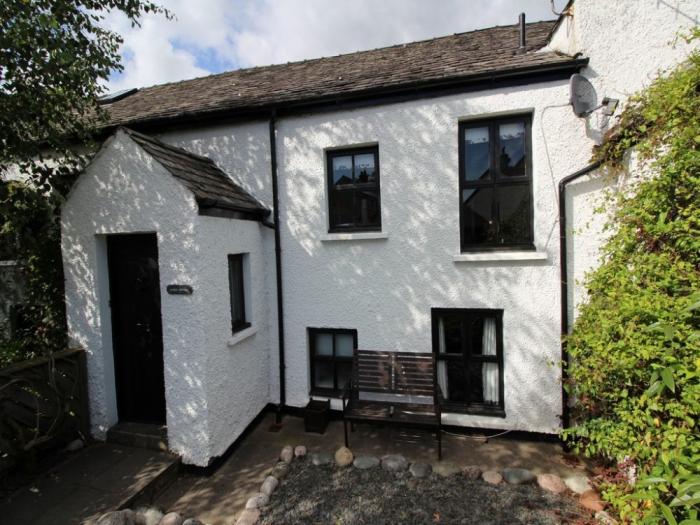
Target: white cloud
{"points": [[213, 35]]}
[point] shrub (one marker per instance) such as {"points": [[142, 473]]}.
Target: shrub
{"points": [[634, 369]]}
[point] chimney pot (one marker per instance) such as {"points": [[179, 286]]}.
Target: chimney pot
{"points": [[521, 20]]}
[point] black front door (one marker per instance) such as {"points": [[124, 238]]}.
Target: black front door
{"points": [[137, 334]]}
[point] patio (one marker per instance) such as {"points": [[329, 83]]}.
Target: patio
{"points": [[219, 498]]}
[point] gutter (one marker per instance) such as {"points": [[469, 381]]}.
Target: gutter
{"points": [[563, 267], [278, 264]]}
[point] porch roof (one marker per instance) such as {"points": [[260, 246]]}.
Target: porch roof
{"points": [[214, 191]]}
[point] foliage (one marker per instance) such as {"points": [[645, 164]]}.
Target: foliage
{"points": [[54, 60], [635, 348], [29, 222]]}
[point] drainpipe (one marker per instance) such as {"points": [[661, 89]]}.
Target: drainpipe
{"points": [[563, 266], [278, 263]]}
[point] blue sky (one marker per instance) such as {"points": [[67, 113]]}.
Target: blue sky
{"points": [[210, 36]]}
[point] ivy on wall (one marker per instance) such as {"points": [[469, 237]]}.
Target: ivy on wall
{"points": [[634, 369]]}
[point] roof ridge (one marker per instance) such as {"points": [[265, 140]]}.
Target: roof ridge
{"points": [[360, 51]]}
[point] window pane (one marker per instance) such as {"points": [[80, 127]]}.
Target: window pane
{"points": [[342, 170], [344, 345], [479, 226], [450, 334], [476, 153], [324, 344], [323, 375], [512, 143], [483, 383], [235, 279], [367, 207], [364, 168], [344, 370], [476, 326], [342, 212], [514, 214], [453, 373]]}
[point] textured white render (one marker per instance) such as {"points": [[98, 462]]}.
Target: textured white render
{"points": [[629, 44], [212, 389], [385, 288]]}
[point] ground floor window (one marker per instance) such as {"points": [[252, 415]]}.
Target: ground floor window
{"points": [[469, 348], [331, 351]]}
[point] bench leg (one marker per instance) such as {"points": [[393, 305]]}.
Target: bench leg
{"points": [[345, 430]]}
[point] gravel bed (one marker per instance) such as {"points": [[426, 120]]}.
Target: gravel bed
{"points": [[329, 495]]}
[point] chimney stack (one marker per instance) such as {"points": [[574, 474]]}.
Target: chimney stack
{"points": [[521, 20]]}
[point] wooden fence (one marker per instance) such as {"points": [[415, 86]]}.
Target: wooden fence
{"points": [[43, 404]]}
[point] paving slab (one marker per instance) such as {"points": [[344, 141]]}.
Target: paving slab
{"points": [[96, 479]]}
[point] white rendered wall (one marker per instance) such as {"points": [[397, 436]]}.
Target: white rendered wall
{"points": [[243, 152], [629, 44], [385, 288], [238, 370], [213, 390]]}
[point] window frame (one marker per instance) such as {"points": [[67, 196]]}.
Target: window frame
{"points": [[352, 151], [236, 285], [496, 179], [312, 332], [468, 358]]}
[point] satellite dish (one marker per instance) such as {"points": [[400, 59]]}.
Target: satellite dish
{"points": [[582, 95]]}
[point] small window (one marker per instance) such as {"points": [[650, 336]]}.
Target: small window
{"points": [[331, 351], [495, 184], [353, 190], [469, 348], [237, 292]]}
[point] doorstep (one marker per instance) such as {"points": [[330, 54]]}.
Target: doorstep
{"points": [[139, 435]]}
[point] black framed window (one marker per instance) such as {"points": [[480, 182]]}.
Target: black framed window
{"points": [[468, 344], [237, 292], [353, 190], [495, 184], [331, 351]]}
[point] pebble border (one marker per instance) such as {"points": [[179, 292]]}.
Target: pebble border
{"points": [[579, 485]]}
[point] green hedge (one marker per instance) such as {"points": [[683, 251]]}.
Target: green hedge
{"points": [[634, 370]]}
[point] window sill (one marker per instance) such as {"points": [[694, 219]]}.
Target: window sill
{"points": [[354, 236], [500, 256], [472, 411], [242, 335]]}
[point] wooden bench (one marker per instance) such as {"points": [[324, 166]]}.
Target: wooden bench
{"points": [[397, 388]]}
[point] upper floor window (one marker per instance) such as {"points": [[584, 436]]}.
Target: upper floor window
{"points": [[353, 190], [495, 184], [237, 292]]}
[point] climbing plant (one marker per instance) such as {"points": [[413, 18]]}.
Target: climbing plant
{"points": [[634, 369]]}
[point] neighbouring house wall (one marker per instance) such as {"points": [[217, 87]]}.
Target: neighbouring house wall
{"points": [[126, 191], [628, 47], [238, 367], [385, 288]]}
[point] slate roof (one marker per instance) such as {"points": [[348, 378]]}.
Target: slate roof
{"points": [[458, 57], [211, 187]]}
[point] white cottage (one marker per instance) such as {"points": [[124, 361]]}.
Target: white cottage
{"points": [[261, 224]]}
